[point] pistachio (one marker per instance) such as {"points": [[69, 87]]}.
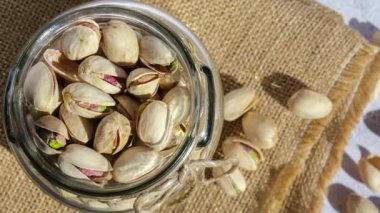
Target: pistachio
{"points": [[81, 40], [120, 43], [87, 101], [61, 65], [308, 104], [52, 131], [154, 126], [156, 55], [232, 184], [143, 83], [247, 154], [134, 163], [178, 101], [238, 102], [103, 74], [260, 130], [169, 80], [369, 169], [357, 204], [127, 106], [112, 134], [81, 162], [41, 88], [80, 129]]}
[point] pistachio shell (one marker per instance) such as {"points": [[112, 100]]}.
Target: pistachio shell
{"points": [[80, 129], [178, 101], [169, 80], [61, 65], [85, 100], [134, 163], [112, 134], [155, 54], [41, 88], [52, 124], [357, 204], [120, 43], [232, 184], [369, 169], [248, 155], [308, 104], [127, 106], [238, 102], [81, 40], [155, 127], [260, 130], [143, 83], [101, 73], [77, 157]]}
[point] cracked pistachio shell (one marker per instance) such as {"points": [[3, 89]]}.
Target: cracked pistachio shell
{"points": [[260, 130], [80, 129], [237, 102], [120, 43], [52, 125], [242, 149], [127, 106], [358, 204], [41, 88], [178, 101], [62, 66], [76, 157], [308, 104], [155, 127], [81, 40], [101, 73], [112, 133], [134, 163], [232, 184], [87, 101], [143, 83], [156, 55], [369, 169]]}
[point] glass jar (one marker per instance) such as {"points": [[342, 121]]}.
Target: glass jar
{"points": [[191, 158]]}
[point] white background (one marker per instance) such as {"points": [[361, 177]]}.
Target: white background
{"points": [[363, 15]]}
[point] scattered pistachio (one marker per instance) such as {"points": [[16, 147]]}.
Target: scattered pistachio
{"points": [[232, 184], [369, 169], [260, 129], [358, 204], [248, 155], [238, 102], [308, 104]]}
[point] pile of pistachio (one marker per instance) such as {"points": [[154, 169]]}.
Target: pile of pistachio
{"points": [[259, 131], [110, 100]]}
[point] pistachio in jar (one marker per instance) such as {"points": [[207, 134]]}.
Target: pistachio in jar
{"points": [[156, 55], [119, 43], [101, 73], [82, 162], [87, 101], [41, 88], [62, 66], [112, 133], [52, 131], [143, 83], [81, 40], [178, 101]]}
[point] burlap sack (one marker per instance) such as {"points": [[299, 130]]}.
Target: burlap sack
{"points": [[274, 46]]}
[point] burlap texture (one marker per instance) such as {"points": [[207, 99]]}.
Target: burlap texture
{"points": [[274, 46]]}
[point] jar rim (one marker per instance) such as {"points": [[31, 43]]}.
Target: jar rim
{"points": [[13, 102]]}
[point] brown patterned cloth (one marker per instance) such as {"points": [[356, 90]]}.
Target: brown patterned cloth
{"points": [[274, 46]]}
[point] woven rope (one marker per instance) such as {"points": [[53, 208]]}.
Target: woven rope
{"points": [[287, 43]]}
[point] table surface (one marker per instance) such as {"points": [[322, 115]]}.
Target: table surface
{"points": [[364, 16]]}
